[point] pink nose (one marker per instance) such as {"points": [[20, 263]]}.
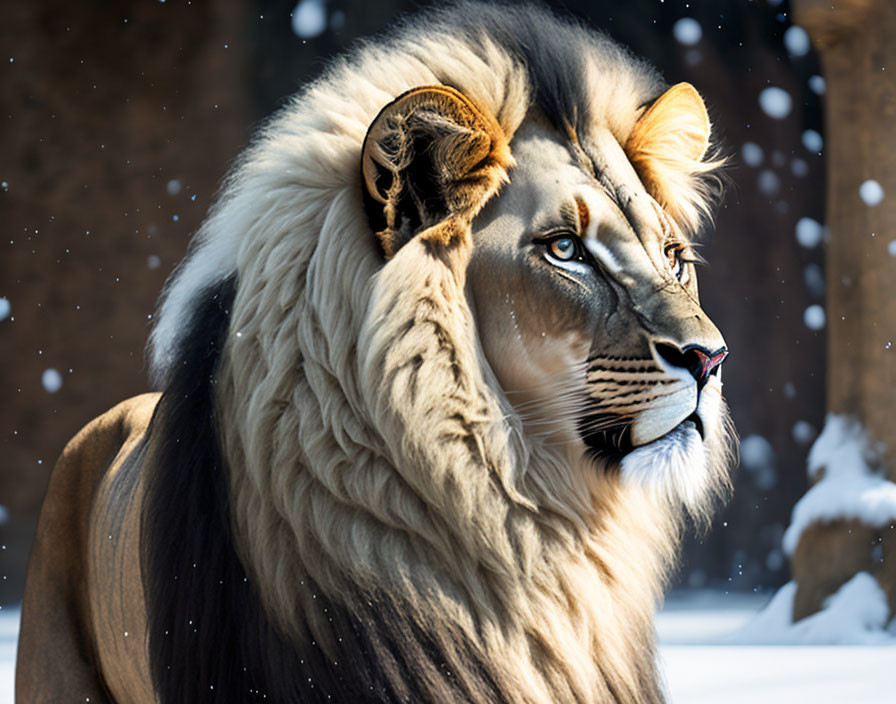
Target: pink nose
{"points": [[703, 362], [698, 360]]}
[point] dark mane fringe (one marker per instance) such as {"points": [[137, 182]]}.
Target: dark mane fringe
{"points": [[208, 638], [193, 583]]}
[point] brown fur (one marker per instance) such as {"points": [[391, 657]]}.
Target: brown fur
{"points": [[72, 608]]}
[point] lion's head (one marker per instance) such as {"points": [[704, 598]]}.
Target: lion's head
{"points": [[467, 383]]}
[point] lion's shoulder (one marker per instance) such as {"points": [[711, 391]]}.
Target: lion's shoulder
{"points": [[89, 454], [113, 428]]}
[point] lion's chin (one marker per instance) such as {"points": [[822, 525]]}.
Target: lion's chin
{"points": [[673, 465]]}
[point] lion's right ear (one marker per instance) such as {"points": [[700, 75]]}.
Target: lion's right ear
{"points": [[430, 155]]}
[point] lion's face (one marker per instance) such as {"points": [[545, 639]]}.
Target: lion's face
{"points": [[586, 303], [580, 279]]}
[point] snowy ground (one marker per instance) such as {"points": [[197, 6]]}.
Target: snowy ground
{"points": [[703, 667], [9, 631], [700, 667]]}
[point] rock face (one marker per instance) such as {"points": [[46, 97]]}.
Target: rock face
{"points": [[114, 119]]}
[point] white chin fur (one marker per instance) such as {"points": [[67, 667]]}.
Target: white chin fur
{"points": [[673, 465]]}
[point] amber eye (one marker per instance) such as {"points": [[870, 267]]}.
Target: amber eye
{"points": [[677, 267], [675, 257], [564, 248]]}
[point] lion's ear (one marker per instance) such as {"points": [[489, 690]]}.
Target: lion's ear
{"points": [[667, 146], [430, 155]]}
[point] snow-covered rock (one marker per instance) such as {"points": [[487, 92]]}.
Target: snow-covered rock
{"points": [[845, 463], [851, 487], [856, 614]]}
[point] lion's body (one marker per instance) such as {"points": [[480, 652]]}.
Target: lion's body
{"points": [[407, 450], [85, 587]]}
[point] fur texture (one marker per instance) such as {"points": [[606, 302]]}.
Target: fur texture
{"points": [[386, 528]]}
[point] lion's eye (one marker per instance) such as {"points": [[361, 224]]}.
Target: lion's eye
{"points": [[564, 248], [677, 268], [674, 254]]}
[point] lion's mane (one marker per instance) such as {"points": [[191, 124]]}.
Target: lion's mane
{"points": [[385, 530]]}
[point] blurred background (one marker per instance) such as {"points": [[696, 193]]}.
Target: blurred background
{"points": [[119, 120]]}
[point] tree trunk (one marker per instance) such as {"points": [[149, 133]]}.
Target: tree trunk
{"points": [[858, 56]]}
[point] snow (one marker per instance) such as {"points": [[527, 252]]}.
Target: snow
{"points": [[856, 614], [814, 317], [309, 19], [817, 85], [758, 457], [173, 187], [52, 380], [5, 308], [769, 182], [775, 102], [4, 515], [751, 154], [778, 675], [869, 499], [843, 449], [799, 168], [813, 141], [693, 57], [796, 41], [814, 280], [687, 30], [705, 658], [891, 248], [803, 432], [756, 452], [775, 560], [809, 232], [153, 262], [9, 633], [871, 192], [850, 486]]}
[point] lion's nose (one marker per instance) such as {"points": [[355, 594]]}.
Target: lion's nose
{"points": [[699, 361]]}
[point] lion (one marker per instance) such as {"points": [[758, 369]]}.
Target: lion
{"points": [[437, 392]]}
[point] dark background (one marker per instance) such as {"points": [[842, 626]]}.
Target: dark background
{"points": [[119, 120]]}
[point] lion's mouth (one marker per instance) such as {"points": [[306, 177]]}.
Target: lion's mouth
{"points": [[609, 439], [606, 438]]}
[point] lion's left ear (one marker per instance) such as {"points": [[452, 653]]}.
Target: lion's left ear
{"points": [[429, 156], [667, 146]]}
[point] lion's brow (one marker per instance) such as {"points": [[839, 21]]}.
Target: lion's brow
{"points": [[584, 215], [570, 216]]}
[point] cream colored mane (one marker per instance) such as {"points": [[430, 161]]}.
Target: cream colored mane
{"points": [[345, 482]]}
